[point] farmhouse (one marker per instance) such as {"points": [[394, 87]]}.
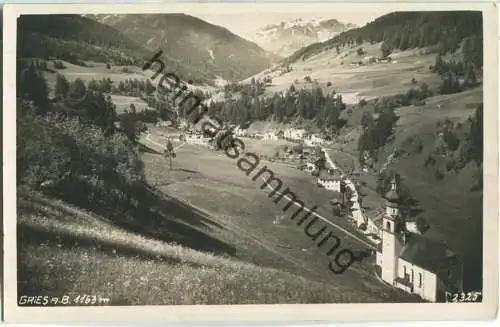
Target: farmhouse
{"points": [[413, 262], [329, 181]]}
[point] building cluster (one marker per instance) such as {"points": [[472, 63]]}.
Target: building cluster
{"points": [[412, 262], [290, 134], [405, 258], [371, 60], [344, 189], [196, 138]]}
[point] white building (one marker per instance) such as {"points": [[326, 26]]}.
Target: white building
{"points": [[330, 182], [413, 262], [314, 140], [164, 123], [194, 138], [317, 140], [270, 136], [238, 131], [294, 134]]}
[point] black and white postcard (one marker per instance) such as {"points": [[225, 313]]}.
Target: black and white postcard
{"points": [[199, 162]]}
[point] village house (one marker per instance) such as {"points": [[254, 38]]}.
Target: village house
{"points": [[183, 124], [384, 60], [238, 131], [369, 60], [164, 123], [314, 140], [196, 138], [413, 262], [294, 134], [270, 136], [330, 180]]}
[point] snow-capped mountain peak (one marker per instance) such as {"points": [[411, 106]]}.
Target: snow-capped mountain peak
{"points": [[288, 36]]}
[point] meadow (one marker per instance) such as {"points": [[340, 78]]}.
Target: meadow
{"points": [[213, 183], [355, 83]]}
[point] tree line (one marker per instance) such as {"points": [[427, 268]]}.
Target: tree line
{"points": [[70, 146], [445, 30], [314, 105]]}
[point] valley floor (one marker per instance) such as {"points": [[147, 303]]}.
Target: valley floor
{"points": [[211, 240]]}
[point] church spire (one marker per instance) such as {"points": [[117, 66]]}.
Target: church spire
{"points": [[393, 195]]}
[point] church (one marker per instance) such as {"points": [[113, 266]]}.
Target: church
{"points": [[412, 262]]}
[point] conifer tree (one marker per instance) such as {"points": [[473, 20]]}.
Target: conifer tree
{"points": [[470, 76]]}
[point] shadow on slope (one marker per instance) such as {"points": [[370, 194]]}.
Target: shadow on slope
{"points": [[148, 213], [66, 251]]}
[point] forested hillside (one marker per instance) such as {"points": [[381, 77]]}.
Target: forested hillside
{"points": [[404, 30], [193, 48], [250, 106], [75, 38]]}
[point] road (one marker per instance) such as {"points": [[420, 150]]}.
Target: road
{"points": [[365, 243], [357, 210], [148, 139], [356, 207]]}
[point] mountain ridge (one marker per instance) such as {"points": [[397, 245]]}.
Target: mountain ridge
{"points": [[404, 30], [288, 36], [210, 49]]}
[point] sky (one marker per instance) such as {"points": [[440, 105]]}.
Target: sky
{"points": [[245, 24]]}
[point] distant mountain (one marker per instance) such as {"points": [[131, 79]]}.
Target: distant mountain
{"points": [[192, 47], [404, 30], [287, 37]]}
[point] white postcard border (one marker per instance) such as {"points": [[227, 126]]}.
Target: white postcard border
{"points": [[254, 313]]}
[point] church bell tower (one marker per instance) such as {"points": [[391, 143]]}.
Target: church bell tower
{"points": [[392, 242]]}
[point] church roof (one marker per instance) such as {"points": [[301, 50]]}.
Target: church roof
{"points": [[426, 253]]}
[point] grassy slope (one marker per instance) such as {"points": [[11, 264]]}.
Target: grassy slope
{"points": [[65, 250], [355, 83], [98, 71], [68, 251], [211, 181], [229, 253]]}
